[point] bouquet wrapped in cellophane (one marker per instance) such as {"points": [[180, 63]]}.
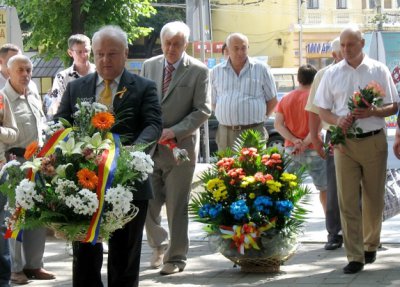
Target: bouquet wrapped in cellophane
{"points": [[80, 183]]}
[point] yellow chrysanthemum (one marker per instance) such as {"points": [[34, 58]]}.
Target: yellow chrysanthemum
{"points": [[274, 186], [217, 187], [288, 177], [247, 180]]}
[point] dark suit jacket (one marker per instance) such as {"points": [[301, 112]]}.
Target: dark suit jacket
{"points": [[138, 111]]}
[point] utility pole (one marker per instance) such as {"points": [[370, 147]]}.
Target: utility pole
{"points": [[300, 21]]}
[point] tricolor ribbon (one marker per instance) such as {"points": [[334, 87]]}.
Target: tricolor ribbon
{"points": [[48, 148], [107, 168]]}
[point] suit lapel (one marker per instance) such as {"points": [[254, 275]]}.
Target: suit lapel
{"points": [[88, 89], [125, 87]]}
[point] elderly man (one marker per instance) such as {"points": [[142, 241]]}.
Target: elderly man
{"points": [[362, 160], [139, 121], [79, 51], [185, 101], [8, 135], [329, 199], [243, 93], [26, 106]]}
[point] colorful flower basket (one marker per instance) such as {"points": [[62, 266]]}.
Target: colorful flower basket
{"points": [[80, 183], [253, 209]]}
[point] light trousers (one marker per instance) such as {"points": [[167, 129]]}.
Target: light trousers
{"points": [[361, 161]]}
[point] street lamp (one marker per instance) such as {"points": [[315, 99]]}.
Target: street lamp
{"points": [[300, 20]]}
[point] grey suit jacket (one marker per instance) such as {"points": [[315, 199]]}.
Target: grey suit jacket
{"points": [[187, 103], [138, 112]]}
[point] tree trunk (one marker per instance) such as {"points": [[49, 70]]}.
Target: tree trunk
{"points": [[78, 18], [149, 44]]}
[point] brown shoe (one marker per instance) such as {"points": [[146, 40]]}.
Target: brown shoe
{"points": [[39, 274], [19, 278]]}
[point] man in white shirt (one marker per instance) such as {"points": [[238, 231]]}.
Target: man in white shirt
{"points": [[243, 93], [361, 159]]}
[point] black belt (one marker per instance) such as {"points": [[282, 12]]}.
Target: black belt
{"points": [[242, 127], [368, 134]]}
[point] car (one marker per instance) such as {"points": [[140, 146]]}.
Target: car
{"points": [[275, 139]]}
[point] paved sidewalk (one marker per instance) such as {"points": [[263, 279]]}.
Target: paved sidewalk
{"points": [[311, 266]]}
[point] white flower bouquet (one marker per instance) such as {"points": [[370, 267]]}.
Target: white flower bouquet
{"points": [[80, 183]]}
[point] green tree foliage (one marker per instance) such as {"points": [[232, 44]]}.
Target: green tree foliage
{"points": [[51, 22], [169, 10]]}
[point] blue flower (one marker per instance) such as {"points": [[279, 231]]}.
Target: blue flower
{"points": [[203, 211], [262, 203], [214, 211], [239, 209], [208, 210], [284, 207]]}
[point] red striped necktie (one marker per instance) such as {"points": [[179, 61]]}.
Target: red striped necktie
{"points": [[167, 77]]}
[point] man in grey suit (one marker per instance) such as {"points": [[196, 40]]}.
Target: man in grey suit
{"points": [[186, 105], [137, 109]]}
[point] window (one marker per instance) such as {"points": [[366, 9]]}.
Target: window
{"points": [[341, 4], [387, 4], [312, 4], [398, 3], [371, 4]]}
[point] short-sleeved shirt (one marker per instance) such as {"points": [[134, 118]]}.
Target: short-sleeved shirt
{"points": [[291, 106], [241, 99], [342, 80]]}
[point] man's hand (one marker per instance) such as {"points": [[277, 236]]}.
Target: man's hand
{"points": [[362, 113], [318, 146], [344, 122], [167, 134]]}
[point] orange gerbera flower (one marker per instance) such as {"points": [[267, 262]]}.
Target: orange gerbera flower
{"points": [[87, 179], [31, 149], [103, 120]]}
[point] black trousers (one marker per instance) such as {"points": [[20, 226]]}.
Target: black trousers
{"points": [[125, 246]]}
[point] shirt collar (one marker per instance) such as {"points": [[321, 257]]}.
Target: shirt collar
{"points": [[100, 80], [176, 64], [12, 95]]}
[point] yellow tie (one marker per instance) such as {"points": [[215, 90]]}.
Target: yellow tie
{"points": [[106, 94]]}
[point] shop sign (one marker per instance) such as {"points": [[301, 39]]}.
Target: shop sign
{"points": [[318, 48]]}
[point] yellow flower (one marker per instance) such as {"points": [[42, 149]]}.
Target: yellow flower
{"points": [[247, 180], [252, 195], [217, 187], [288, 177], [274, 186]]}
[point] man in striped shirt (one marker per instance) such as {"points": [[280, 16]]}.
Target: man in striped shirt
{"points": [[243, 93]]}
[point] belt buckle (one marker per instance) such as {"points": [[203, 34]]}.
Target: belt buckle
{"points": [[236, 128]]}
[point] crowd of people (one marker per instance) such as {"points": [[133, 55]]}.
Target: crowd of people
{"points": [[174, 95]]}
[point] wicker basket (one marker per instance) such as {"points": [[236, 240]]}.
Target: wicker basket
{"points": [[257, 265]]}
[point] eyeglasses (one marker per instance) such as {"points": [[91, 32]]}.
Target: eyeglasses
{"points": [[81, 52]]}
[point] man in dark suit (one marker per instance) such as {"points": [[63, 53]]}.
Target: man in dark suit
{"points": [[138, 115], [183, 87]]}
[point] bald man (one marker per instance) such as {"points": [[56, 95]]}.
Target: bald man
{"points": [[361, 159]]}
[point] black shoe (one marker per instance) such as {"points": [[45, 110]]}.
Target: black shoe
{"points": [[353, 267], [370, 257], [334, 243]]}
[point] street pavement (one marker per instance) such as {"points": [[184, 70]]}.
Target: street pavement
{"points": [[311, 266]]}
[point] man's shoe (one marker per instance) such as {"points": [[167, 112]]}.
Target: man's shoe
{"points": [[170, 268], [39, 274], [370, 257], [157, 257], [353, 267], [19, 278], [334, 243]]}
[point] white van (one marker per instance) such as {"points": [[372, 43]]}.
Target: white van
{"points": [[285, 80]]}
